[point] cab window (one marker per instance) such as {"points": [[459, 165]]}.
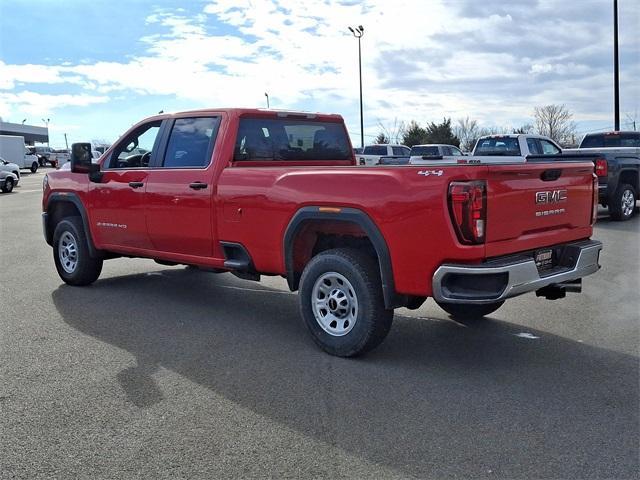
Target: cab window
{"points": [[191, 142], [135, 150], [534, 148], [549, 148]]}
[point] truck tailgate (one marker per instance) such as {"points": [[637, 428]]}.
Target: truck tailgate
{"points": [[537, 204]]}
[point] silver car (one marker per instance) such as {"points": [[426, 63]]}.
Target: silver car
{"points": [[7, 181]]}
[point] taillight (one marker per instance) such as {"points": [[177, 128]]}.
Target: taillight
{"points": [[601, 167], [596, 199], [468, 209]]}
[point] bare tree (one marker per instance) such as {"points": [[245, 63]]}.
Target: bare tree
{"points": [[526, 129], [393, 133], [381, 138], [632, 120], [467, 131], [556, 122]]}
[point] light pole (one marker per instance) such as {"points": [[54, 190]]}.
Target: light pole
{"points": [[46, 123], [358, 32], [616, 69], [267, 95]]}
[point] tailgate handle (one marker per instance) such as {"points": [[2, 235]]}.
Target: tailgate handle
{"points": [[550, 175]]}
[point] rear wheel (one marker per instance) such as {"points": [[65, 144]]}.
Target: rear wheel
{"points": [[468, 311], [34, 167], [623, 203], [8, 185], [71, 253], [342, 304]]}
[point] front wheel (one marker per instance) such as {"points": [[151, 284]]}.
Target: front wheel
{"points": [[623, 202], [34, 167], [8, 185], [71, 254], [469, 311], [342, 304]]}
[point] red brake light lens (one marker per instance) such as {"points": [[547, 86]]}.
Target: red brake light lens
{"points": [[596, 199], [468, 210], [601, 167]]}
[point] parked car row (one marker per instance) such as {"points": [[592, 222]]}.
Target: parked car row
{"points": [[616, 156]]}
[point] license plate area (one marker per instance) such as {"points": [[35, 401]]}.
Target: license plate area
{"points": [[544, 259]]}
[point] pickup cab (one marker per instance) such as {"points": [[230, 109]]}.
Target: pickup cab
{"points": [[372, 154], [258, 192], [507, 148], [617, 166]]}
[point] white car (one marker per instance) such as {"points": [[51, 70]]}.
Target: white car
{"points": [[6, 166], [371, 154], [7, 181]]}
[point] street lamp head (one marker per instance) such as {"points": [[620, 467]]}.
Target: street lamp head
{"points": [[352, 31], [361, 28], [24, 121]]}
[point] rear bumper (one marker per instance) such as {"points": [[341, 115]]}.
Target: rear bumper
{"points": [[506, 277]]}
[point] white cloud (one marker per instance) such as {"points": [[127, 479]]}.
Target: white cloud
{"points": [[421, 60], [37, 104]]}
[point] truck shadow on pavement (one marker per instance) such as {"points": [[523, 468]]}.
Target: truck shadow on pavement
{"points": [[432, 398], [631, 225]]}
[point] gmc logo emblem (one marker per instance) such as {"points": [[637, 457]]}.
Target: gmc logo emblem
{"points": [[551, 196]]}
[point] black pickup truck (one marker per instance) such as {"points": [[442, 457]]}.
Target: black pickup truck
{"points": [[617, 168]]}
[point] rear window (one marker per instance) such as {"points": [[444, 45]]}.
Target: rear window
{"points": [[501, 146], [289, 139], [426, 151], [606, 140], [375, 150]]}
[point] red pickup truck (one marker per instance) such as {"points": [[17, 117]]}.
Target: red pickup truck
{"points": [[258, 192]]}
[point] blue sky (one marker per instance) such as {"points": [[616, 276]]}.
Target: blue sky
{"points": [[94, 68]]}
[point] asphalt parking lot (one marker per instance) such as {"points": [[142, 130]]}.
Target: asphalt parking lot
{"points": [[167, 372]]}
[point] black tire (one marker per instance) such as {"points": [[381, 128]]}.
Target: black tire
{"points": [[371, 320], [34, 167], [466, 311], [8, 185], [87, 268], [619, 204]]}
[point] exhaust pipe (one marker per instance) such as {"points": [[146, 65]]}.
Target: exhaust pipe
{"points": [[559, 290]]}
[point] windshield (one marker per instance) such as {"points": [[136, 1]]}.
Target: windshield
{"points": [[608, 140], [426, 151], [500, 146]]}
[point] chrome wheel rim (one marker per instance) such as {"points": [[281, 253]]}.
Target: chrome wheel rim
{"points": [[68, 252], [628, 202], [335, 304]]}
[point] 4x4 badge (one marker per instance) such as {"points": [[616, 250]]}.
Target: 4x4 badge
{"points": [[426, 173]]}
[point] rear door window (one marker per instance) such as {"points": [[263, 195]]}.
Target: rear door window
{"points": [[375, 150], [427, 151], [498, 146], [191, 142], [399, 151]]}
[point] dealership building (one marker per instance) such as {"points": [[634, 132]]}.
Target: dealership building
{"points": [[31, 133]]}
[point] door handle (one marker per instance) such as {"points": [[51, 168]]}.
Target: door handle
{"points": [[550, 175], [136, 184], [197, 185]]}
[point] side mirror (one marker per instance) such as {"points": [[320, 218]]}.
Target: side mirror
{"points": [[81, 157]]}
